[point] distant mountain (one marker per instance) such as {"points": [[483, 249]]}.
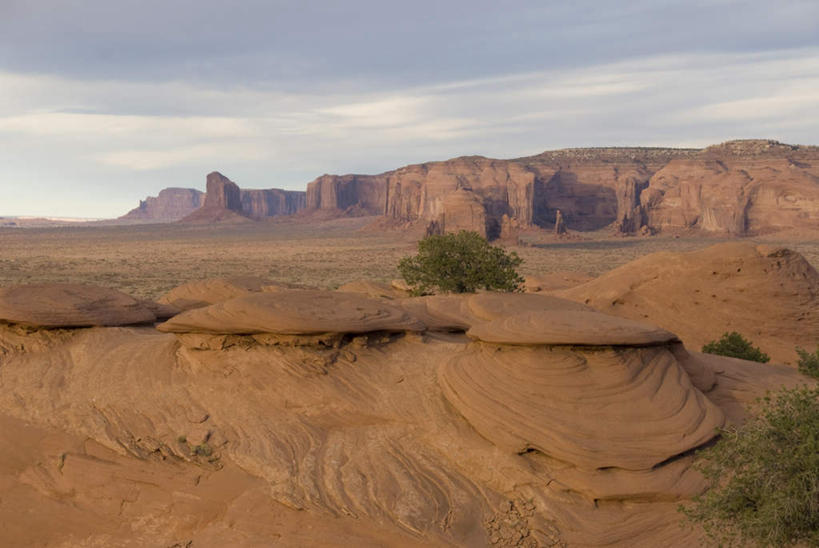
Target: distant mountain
{"points": [[738, 187], [174, 204]]}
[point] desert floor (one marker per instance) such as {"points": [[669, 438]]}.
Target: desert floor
{"points": [[148, 260]]}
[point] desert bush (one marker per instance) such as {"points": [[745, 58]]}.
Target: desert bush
{"points": [[808, 363], [460, 263], [735, 345], [764, 476]]}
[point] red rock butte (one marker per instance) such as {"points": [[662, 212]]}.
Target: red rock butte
{"points": [[738, 188]]}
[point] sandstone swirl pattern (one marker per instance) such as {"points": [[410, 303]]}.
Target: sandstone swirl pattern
{"points": [[399, 429]]}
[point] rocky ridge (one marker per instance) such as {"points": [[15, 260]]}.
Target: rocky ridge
{"points": [[738, 188]]}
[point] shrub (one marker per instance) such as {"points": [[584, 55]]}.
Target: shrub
{"points": [[764, 476], [808, 363], [460, 263], [735, 345]]}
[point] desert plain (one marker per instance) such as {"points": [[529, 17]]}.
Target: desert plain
{"points": [[289, 394]]}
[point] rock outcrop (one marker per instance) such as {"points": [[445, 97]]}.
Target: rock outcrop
{"points": [[169, 206], [271, 202], [738, 187], [769, 295], [251, 424], [70, 305], [224, 200]]}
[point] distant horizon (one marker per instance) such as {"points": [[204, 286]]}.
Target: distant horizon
{"points": [[105, 103], [71, 218]]}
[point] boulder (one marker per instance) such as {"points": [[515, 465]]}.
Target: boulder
{"points": [[71, 305], [569, 327], [199, 293], [295, 312]]}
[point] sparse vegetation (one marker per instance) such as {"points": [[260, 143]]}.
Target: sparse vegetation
{"points": [[764, 476], [460, 263], [808, 363], [735, 345], [203, 450]]}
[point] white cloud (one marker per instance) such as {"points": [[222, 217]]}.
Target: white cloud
{"points": [[155, 132]]}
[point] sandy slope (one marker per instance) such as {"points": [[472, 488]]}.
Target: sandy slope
{"points": [[768, 294]]}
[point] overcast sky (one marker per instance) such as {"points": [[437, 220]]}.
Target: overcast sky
{"points": [[103, 102]]}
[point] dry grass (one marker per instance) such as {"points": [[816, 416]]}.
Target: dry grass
{"points": [[148, 260]]}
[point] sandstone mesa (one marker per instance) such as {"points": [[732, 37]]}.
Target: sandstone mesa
{"points": [[737, 188]]}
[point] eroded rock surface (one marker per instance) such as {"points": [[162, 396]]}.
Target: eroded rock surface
{"points": [[770, 295], [70, 305], [294, 312], [243, 435]]}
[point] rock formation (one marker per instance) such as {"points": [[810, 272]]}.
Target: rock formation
{"points": [[169, 206], [560, 225], [770, 295], [738, 187], [549, 424], [272, 202], [306, 417], [70, 305], [224, 200]]}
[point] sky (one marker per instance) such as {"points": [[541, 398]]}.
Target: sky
{"points": [[104, 102]]}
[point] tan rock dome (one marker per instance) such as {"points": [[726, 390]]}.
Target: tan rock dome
{"points": [[770, 295], [70, 305], [295, 312], [569, 327], [630, 408], [201, 293], [460, 312]]}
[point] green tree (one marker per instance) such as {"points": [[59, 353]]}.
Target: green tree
{"points": [[809, 363], [460, 263], [764, 476], [735, 345]]}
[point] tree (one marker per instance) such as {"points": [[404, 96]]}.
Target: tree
{"points": [[808, 363], [764, 476], [735, 345], [460, 263]]}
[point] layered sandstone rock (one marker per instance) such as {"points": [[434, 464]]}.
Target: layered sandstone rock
{"points": [[70, 305], [294, 312], [738, 187], [169, 206], [769, 295], [272, 202], [431, 438], [200, 293], [224, 200]]}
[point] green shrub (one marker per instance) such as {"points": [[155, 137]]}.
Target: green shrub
{"points": [[735, 345], [764, 476], [809, 363], [460, 263]]}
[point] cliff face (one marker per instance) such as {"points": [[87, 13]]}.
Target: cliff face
{"points": [[170, 205], [260, 203], [738, 187], [223, 200]]}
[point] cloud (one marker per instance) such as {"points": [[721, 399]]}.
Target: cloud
{"points": [[134, 138]]}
